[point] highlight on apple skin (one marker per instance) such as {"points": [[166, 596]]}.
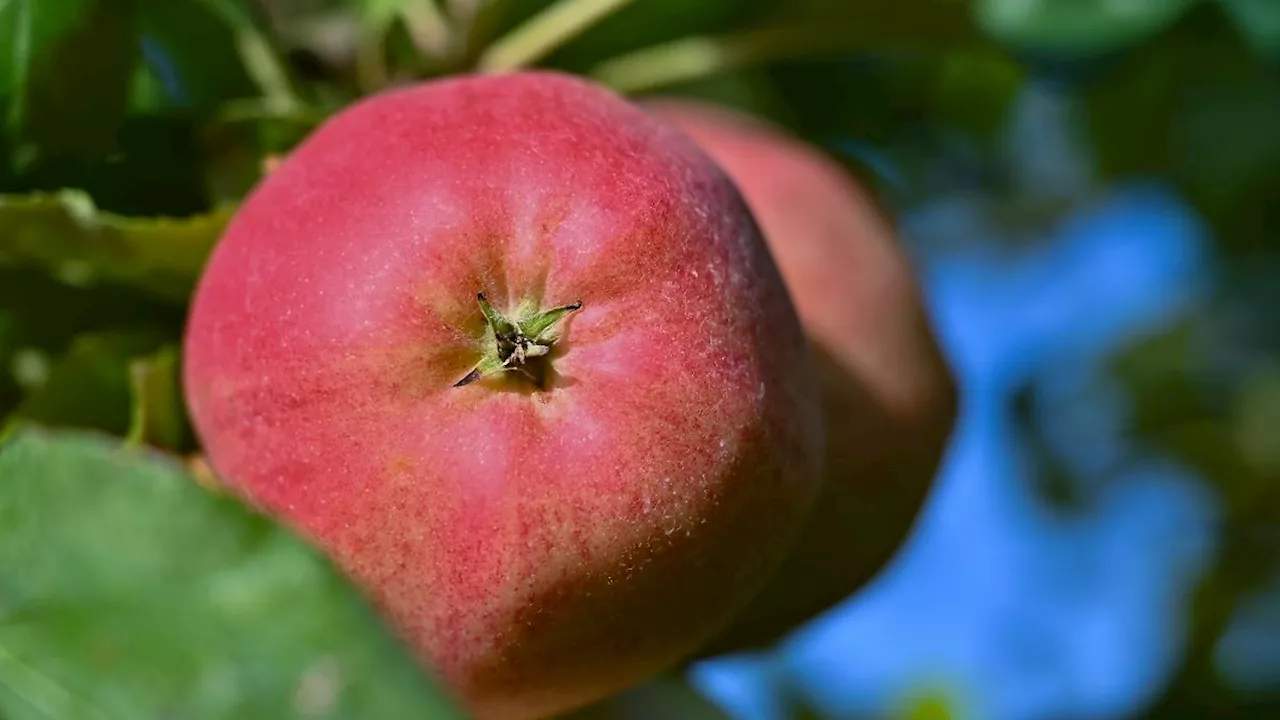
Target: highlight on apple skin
{"points": [[889, 397], [515, 354]]}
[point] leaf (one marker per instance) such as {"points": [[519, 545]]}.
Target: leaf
{"points": [[1197, 106], [1259, 21], [974, 88], [158, 415], [66, 71], [1077, 27], [193, 55], [40, 318], [127, 591], [157, 168], [790, 33], [67, 235], [90, 386], [261, 59]]}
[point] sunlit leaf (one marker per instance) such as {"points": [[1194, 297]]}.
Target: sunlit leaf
{"points": [[128, 591], [67, 235]]}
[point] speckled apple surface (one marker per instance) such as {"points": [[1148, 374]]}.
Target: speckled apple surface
{"points": [[541, 548], [889, 395]]}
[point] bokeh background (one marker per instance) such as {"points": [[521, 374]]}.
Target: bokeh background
{"points": [[1090, 190]]}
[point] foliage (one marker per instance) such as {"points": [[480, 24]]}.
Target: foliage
{"points": [[130, 591], [131, 128]]}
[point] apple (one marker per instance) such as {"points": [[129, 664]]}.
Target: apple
{"points": [[514, 353], [889, 397]]}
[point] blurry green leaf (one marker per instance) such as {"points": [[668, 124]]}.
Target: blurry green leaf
{"points": [[147, 94], [128, 591], [630, 26], [192, 53], [40, 317], [1257, 421], [65, 71], [1196, 106], [423, 18], [974, 87], [46, 314], [406, 38], [158, 415], [90, 386], [246, 137], [1078, 27], [157, 168], [66, 234], [793, 33], [254, 45], [1259, 20]]}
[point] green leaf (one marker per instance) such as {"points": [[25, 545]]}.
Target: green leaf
{"points": [[1195, 105], [159, 416], [500, 324], [91, 385], [156, 168], [794, 32], [65, 71], [67, 235], [40, 318], [192, 53], [1259, 21], [1078, 27], [128, 591], [261, 59], [974, 87]]}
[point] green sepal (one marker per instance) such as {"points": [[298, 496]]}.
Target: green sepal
{"points": [[516, 343], [537, 326], [501, 326]]}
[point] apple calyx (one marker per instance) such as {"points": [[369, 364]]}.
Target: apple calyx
{"points": [[519, 344]]}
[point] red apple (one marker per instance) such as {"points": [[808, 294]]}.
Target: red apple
{"points": [[557, 488], [890, 399]]}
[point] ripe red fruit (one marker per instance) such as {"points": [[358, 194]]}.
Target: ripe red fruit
{"points": [[890, 399], [624, 475]]}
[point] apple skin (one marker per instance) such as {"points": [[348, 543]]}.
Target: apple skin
{"points": [[889, 396], [540, 548]]}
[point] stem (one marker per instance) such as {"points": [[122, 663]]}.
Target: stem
{"points": [[545, 32], [265, 68], [371, 63], [703, 56], [427, 26], [462, 11]]}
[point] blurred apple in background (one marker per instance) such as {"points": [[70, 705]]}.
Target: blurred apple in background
{"points": [[889, 396]]}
